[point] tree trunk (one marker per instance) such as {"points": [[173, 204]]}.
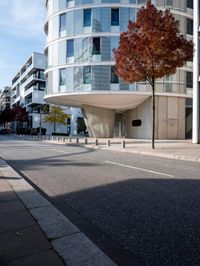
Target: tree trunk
{"points": [[153, 113]]}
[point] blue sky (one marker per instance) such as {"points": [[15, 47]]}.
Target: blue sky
{"points": [[21, 33]]}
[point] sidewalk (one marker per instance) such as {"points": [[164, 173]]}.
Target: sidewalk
{"points": [[22, 242], [33, 232], [171, 149]]}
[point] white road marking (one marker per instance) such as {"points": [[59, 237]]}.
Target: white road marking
{"points": [[138, 168]]}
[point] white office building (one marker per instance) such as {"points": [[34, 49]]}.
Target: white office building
{"points": [[81, 35]]}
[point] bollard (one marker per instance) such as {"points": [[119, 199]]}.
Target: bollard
{"points": [[108, 143], [123, 145], [96, 142], [86, 141], [70, 139], [63, 139], [77, 140], [57, 138]]}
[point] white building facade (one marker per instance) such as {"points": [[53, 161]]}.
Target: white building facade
{"points": [[81, 35], [5, 94], [28, 90]]}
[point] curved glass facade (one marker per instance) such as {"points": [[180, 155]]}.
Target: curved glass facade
{"points": [[81, 35]]}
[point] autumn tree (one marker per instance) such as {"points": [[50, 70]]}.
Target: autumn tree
{"points": [[151, 48], [7, 115], [56, 116]]}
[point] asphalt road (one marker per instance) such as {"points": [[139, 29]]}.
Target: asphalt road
{"points": [[140, 210]]}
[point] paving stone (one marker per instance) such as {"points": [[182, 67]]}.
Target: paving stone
{"points": [[47, 258], [7, 196], [15, 220], [78, 250], [11, 206], [53, 222], [21, 243], [31, 198]]}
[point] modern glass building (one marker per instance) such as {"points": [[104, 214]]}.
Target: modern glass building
{"points": [[81, 35]]}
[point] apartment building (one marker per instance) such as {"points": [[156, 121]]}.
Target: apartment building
{"points": [[5, 94], [81, 35], [28, 90]]}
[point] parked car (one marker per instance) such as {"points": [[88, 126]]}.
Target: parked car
{"points": [[5, 131]]}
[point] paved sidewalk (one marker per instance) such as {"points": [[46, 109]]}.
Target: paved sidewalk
{"points": [[171, 149], [33, 232], [22, 242]]}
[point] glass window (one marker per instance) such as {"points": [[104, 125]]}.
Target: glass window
{"points": [[87, 17], [87, 75], [95, 46], [190, 4], [169, 2], [189, 26], [63, 22], [115, 16], [70, 48], [113, 77], [189, 80], [62, 80]]}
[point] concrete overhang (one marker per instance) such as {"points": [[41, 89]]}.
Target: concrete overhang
{"points": [[110, 100]]}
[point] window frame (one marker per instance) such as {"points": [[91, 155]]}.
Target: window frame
{"points": [[87, 23], [70, 53], [61, 29], [94, 50], [85, 76], [114, 22], [114, 79]]}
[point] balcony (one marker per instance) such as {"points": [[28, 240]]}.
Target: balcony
{"points": [[34, 98]]}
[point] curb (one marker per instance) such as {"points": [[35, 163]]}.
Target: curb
{"points": [[66, 239]]}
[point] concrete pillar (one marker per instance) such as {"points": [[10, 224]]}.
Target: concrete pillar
{"points": [[195, 124], [100, 121]]}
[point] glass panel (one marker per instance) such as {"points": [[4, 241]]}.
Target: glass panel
{"points": [[189, 80], [70, 23], [87, 17], [189, 26], [105, 77], [79, 21], [113, 76], [87, 49], [132, 14], [105, 49], [124, 19], [62, 81], [114, 44], [78, 78], [63, 22], [69, 79], [95, 46], [190, 4], [96, 77], [87, 75], [70, 48], [105, 19], [78, 50], [115, 16], [96, 20], [86, 2]]}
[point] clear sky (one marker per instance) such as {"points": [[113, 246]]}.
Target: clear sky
{"points": [[21, 33]]}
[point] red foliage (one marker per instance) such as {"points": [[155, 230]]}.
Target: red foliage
{"points": [[152, 47]]}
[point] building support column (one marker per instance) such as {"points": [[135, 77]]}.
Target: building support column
{"points": [[100, 121], [195, 122]]}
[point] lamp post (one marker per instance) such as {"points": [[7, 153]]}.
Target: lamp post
{"points": [[195, 122]]}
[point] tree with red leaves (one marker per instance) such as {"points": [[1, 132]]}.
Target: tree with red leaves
{"points": [[151, 48]]}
